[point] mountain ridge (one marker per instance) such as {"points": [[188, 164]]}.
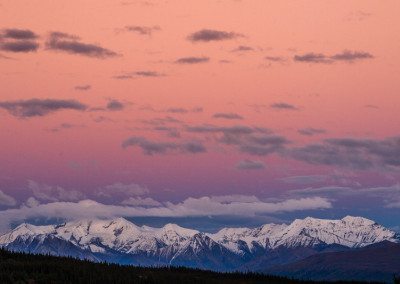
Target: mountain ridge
{"points": [[121, 241]]}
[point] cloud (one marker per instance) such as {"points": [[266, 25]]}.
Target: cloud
{"points": [[136, 74], [250, 165], [203, 206], [32, 202], [390, 195], [311, 131], [305, 179], [361, 154], [151, 147], [275, 58], [72, 44], [262, 145], [243, 48], [7, 200], [114, 105], [19, 46], [162, 121], [207, 35], [139, 201], [229, 115], [283, 106], [176, 110], [83, 87], [18, 40], [350, 56], [192, 60], [40, 107], [344, 56], [142, 30], [119, 189], [53, 193], [207, 128], [312, 58], [171, 131], [249, 140], [180, 110], [18, 34], [65, 126]]}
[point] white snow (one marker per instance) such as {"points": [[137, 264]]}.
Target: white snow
{"points": [[124, 236]]}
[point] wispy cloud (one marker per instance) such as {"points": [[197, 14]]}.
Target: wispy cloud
{"points": [[72, 44], [207, 35], [154, 147], [142, 30], [138, 74], [250, 165], [234, 205], [351, 152], [7, 200], [18, 40], [192, 60], [83, 87], [311, 131], [40, 107], [344, 56], [283, 106], [227, 115]]}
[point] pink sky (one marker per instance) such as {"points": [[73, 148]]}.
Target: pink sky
{"points": [[328, 69]]}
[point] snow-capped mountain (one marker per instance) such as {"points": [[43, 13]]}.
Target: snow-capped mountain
{"points": [[121, 241]]}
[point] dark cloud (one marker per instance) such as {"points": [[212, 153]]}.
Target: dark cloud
{"points": [[243, 48], [83, 87], [275, 58], [137, 74], [236, 130], [250, 165], [39, 107], [18, 34], [64, 126], [115, 105], [311, 131], [162, 121], [142, 30], [311, 179], [312, 58], [177, 110], [262, 145], [250, 140], [229, 115], [350, 56], [192, 60], [360, 154], [72, 44], [344, 56], [19, 46], [151, 148], [171, 131], [283, 106], [207, 35]]}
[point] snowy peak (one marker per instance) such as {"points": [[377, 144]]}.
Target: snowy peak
{"points": [[122, 236], [173, 234], [360, 221], [349, 231]]}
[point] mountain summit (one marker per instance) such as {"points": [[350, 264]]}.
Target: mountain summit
{"points": [[121, 241]]}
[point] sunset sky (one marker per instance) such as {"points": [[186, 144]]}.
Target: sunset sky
{"points": [[203, 113]]}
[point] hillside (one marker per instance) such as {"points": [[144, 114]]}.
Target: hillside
{"points": [[27, 268], [375, 262]]}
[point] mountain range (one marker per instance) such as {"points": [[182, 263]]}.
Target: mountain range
{"points": [[269, 248]]}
